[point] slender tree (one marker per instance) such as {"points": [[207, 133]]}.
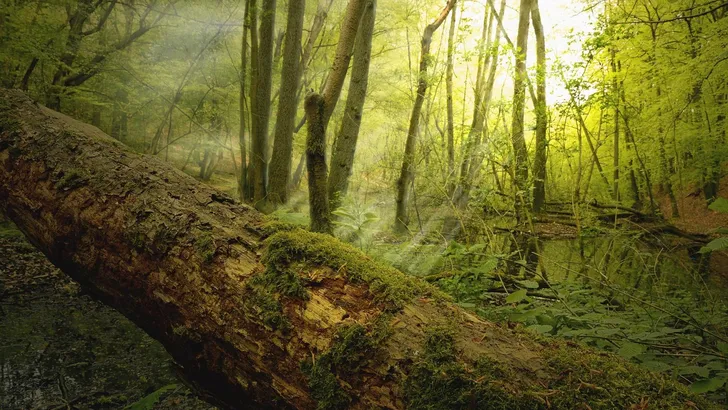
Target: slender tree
{"points": [[539, 163], [280, 167], [261, 107], [520, 154], [449, 74], [407, 173], [243, 185], [342, 160], [315, 106]]}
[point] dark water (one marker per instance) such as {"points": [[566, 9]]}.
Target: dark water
{"points": [[62, 350]]}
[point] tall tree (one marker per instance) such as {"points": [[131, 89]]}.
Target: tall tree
{"points": [[243, 185], [344, 49], [319, 108], [262, 101], [539, 162], [407, 173], [449, 74], [518, 140], [280, 167], [342, 159]]}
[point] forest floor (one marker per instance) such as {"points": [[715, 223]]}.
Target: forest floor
{"points": [[695, 217], [61, 349]]}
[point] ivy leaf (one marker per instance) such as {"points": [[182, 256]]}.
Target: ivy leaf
{"points": [[517, 296], [707, 385], [719, 205], [630, 350]]}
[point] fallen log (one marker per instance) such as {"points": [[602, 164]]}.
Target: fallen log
{"points": [[297, 320]]}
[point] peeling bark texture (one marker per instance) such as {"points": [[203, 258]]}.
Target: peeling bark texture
{"points": [[298, 320]]}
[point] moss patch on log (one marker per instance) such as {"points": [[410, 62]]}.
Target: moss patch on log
{"points": [[578, 378], [289, 252], [352, 347]]}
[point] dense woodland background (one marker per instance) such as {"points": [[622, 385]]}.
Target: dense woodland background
{"points": [[556, 164]]}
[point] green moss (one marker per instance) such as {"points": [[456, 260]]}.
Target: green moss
{"points": [[290, 251], [71, 180], [579, 378], [353, 345], [206, 247], [605, 381], [265, 307]]}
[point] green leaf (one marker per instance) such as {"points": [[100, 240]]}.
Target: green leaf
{"points": [[541, 328], [707, 385], [719, 205], [700, 371], [517, 296], [148, 402], [467, 305], [656, 366], [630, 350], [715, 245], [530, 284], [723, 347]]}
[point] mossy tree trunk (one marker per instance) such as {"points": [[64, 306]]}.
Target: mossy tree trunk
{"points": [[342, 158], [280, 167], [299, 320]]}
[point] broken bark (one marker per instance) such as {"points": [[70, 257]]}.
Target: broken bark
{"points": [[297, 321]]}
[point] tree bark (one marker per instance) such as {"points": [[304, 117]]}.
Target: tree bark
{"points": [[450, 71], [280, 167], [316, 163], [340, 65], [539, 162], [261, 106], [520, 152], [312, 324], [243, 186], [342, 159], [407, 173]]}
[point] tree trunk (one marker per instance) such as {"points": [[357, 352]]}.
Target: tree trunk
{"points": [[280, 167], [539, 162], [312, 324], [450, 71], [340, 65], [520, 152], [316, 163], [243, 186], [342, 159], [407, 173], [261, 105]]}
